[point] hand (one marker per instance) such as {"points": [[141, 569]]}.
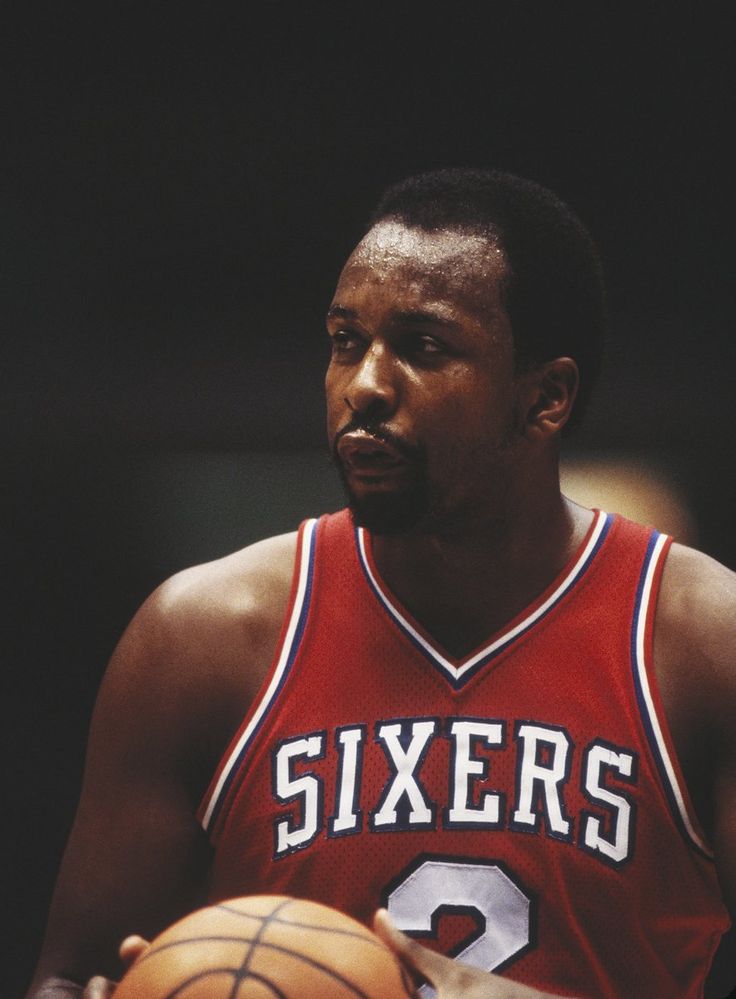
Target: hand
{"points": [[450, 979], [102, 988]]}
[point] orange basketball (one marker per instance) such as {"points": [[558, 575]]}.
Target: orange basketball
{"points": [[266, 946]]}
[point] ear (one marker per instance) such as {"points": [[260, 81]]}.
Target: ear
{"points": [[548, 395]]}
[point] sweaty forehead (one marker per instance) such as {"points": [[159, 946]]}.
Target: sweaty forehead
{"points": [[392, 241], [447, 262]]}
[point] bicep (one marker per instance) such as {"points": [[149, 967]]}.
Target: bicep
{"points": [[177, 686], [136, 858], [131, 866]]}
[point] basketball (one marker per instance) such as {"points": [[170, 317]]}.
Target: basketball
{"points": [[266, 946]]}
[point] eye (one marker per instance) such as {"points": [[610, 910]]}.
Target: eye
{"points": [[423, 345], [344, 340], [428, 344]]}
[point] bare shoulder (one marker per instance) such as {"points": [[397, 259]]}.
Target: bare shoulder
{"points": [[225, 613], [697, 605], [194, 656], [217, 612], [245, 588]]}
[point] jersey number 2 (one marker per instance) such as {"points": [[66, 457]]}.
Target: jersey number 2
{"points": [[502, 908]]}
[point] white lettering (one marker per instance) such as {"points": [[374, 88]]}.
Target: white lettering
{"points": [[468, 767], [289, 788], [535, 775], [346, 819], [406, 763], [599, 759]]}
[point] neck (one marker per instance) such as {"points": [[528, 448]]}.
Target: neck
{"points": [[464, 585]]}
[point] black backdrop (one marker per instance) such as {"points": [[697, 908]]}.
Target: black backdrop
{"points": [[182, 186]]}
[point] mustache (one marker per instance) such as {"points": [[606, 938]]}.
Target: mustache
{"points": [[376, 429]]}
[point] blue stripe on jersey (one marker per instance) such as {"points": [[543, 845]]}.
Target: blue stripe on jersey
{"points": [[458, 676], [283, 669], [646, 706]]}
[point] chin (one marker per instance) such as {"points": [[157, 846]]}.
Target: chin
{"points": [[388, 513], [388, 507]]}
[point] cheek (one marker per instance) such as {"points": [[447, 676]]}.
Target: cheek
{"points": [[476, 427], [337, 411], [333, 393], [476, 407]]}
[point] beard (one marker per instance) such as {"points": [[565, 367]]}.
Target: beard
{"points": [[392, 511], [395, 512]]}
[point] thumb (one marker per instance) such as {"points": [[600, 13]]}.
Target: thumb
{"points": [[420, 959], [131, 949]]}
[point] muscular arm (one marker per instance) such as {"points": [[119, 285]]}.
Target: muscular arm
{"points": [[173, 694], [694, 655], [695, 660]]}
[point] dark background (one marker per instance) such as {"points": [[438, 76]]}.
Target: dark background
{"points": [[181, 187]]}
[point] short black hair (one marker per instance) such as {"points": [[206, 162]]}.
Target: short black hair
{"points": [[555, 295]]}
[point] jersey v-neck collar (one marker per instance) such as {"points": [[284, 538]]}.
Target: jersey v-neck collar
{"points": [[459, 671]]}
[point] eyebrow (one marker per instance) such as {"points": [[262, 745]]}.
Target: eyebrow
{"points": [[340, 312], [405, 317]]}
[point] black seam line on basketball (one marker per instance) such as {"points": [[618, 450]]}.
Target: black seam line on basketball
{"points": [[226, 938], [256, 940], [279, 948], [308, 926], [325, 968], [238, 982]]}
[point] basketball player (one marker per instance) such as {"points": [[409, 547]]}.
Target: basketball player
{"points": [[508, 719]]}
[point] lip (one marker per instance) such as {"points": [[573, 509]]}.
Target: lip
{"points": [[363, 453]]}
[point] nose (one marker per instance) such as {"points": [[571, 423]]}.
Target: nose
{"points": [[373, 388]]}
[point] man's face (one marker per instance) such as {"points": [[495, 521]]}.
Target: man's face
{"points": [[421, 394]]}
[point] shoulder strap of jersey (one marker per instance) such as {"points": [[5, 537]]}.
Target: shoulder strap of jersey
{"points": [[649, 698], [212, 809]]}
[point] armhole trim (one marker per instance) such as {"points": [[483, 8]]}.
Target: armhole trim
{"points": [[211, 807], [647, 692]]}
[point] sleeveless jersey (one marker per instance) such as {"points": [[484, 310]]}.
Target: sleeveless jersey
{"points": [[521, 808]]}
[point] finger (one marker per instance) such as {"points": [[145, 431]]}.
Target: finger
{"points": [[131, 949], [427, 962], [98, 988]]}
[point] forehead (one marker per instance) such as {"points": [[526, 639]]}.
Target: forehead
{"points": [[448, 265]]}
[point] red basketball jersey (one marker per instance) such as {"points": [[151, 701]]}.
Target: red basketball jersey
{"points": [[521, 808]]}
